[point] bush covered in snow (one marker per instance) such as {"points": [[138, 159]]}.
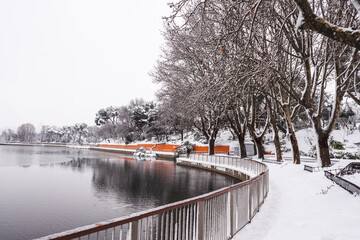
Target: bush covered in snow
{"points": [[337, 145], [186, 147], [345, 155]]}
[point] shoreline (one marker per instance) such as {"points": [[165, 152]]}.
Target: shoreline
{"points": [[34, 144], [163, 155]]}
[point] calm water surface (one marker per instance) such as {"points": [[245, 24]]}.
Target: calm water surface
{"points": [[44, 190]]}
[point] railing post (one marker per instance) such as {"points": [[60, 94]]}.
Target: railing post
{"points": [[134, 230], [250, 198], [201, 223], [258, 193], [232, 213]]}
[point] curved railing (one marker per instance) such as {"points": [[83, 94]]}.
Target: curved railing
{"points": [[216, 215]]}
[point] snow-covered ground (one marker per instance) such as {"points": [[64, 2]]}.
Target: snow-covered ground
{"points": [[353, 178], [303, 205]]}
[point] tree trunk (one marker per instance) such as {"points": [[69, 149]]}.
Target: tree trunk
{"points": [[212, 146], [277, 147], [239, 130], [323, 150], [322, 146], [241, 140], [255, 151], [292, 135], [182, 135], [260, 148], [276, 139], [295, 148]]}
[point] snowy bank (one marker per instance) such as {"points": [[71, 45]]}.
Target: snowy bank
{"points": [[78, 146], [304, 205]]}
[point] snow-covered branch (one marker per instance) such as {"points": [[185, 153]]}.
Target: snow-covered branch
{"points": [[307, 19], [356, 4]]}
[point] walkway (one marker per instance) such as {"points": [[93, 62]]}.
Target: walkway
{"points": [[303, 205]]}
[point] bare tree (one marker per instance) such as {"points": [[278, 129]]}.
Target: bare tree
{"points": [[310, 17], [191, 68], [323, 62], [273, 108], [257, 119], [173, 121], [8, 135], [26, 132], [237, 121]]}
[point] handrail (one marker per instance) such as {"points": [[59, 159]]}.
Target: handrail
{"points": [[191, 217], [347, 185]]}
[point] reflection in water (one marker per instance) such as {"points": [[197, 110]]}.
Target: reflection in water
{"points": [[61, 189], [38, 155], [162, 181]]}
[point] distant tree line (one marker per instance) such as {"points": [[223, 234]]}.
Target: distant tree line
{"points": [[26, 133], [139, 120]]}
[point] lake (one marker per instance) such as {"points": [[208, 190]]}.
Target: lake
{"points": [[45, 190]]}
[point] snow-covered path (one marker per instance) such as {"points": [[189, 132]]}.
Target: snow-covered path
{"points": [[304, 205]]}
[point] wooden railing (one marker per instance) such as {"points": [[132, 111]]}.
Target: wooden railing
{"points": [[216, 215]]}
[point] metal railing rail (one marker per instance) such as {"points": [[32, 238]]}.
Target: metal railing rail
{"points": [[246, 164], [216, 215], [349, 186], [318, 169]]}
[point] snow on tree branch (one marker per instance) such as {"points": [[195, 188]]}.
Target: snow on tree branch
{"points": [[308, 20], [356, 4], [300, 20]]}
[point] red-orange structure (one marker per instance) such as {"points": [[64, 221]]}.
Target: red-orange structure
{"points": [[167, 147]]}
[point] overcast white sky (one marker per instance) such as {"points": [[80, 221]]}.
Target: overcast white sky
{"points": [[63, 60]]}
